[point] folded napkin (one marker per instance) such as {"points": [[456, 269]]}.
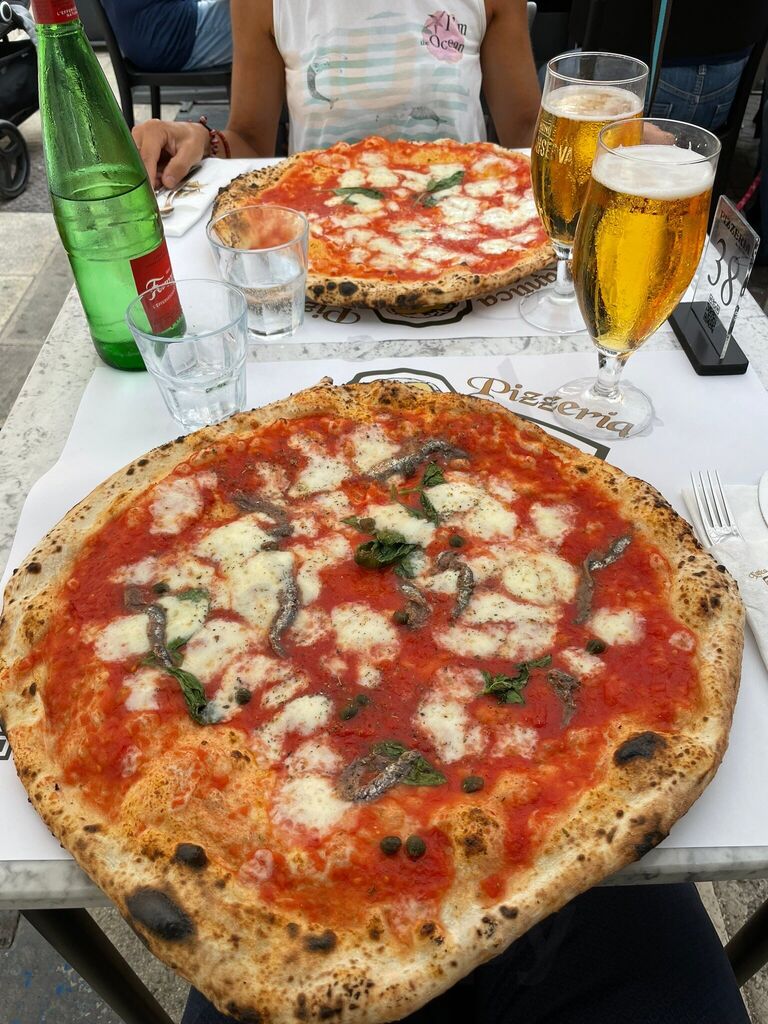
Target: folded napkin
{"points": [[189, 208], [746, 559]]}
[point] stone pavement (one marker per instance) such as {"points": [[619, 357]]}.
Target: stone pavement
{"points": [[37, 986]]}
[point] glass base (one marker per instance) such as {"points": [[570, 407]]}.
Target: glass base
{"points": [[549, 312], [625, 412]]}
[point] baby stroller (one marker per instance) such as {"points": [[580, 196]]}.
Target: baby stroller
{"points": [[18, 101]]}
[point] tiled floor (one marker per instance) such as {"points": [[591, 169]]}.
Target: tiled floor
{"points": [[37, 986]]}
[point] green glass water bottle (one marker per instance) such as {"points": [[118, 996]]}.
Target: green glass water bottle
{"points": [[104, 206]]}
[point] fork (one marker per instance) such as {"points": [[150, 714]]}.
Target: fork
{"points": [[717, 518]]}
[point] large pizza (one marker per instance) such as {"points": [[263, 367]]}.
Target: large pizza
{"points": [[413, 225], [338, 698]]}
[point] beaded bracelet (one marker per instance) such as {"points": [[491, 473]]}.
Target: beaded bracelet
{"points": [[216, 137]]}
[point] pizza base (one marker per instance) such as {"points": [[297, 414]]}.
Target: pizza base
{"points": [[403, 296], [262, 966]]}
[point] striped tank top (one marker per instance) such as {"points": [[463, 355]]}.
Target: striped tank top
{"points": [[356, 67]]}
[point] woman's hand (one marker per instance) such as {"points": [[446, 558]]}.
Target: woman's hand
{"points": [[170, 148]]}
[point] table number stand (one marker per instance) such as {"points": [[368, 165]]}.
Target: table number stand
{"points": [[704, 327]]}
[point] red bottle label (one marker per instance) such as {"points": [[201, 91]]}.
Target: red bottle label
{"points": [[153, 275], [54, 12]]}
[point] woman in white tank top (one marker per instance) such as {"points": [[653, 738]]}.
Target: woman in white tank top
{"points": [[352, 68]]}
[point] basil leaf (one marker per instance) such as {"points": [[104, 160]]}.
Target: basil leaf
{"points": [[433, 475], [430, 512], [509, 689], [356, 190], [364, 525], [194, 694], [389, 748], [421, 774], [439, 185], [194, 594]]}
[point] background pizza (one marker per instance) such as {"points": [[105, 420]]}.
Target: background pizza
{"points": [[408, 224], [339, 697]]}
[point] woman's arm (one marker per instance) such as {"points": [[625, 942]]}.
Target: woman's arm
{"points": [[509, 74], [170, 148]]}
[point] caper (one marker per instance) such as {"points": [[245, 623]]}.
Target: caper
{"points": [[456, 541], [161, 588], [415, 847], [348, 711], [595, 646], [473, 783], [243, 695], [362, 699], [367, 525], [400, 617], [390, 845]]}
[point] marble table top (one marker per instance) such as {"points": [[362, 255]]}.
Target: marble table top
{"points": [[34, 435]]}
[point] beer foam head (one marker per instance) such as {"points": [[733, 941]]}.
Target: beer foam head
{"points": [[653, 171], [592, 103]]}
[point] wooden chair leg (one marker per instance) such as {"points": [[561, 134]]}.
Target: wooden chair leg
{"points": [[154, 99], [748, 949]]}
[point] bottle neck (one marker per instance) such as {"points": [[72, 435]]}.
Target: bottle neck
{"points": [[54, 12]]}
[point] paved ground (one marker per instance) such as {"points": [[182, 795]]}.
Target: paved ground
{"points": [[37, 986]]}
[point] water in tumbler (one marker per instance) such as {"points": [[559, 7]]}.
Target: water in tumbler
{"points": [[274, 292], [199, 393]]}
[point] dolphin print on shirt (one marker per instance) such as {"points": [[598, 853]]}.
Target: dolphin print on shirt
{"points": [[313, 70]]}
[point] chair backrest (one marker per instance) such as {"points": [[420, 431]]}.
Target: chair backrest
{"points": [[101, 20]]}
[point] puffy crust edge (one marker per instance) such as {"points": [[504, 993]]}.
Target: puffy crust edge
{"points": [[412, 296], [631, 809]]}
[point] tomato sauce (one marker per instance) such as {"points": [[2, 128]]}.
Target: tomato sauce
{"points": [[651, 686]]}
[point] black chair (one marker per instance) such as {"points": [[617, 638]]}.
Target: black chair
{"points": [[129, 77], [594, 26]]}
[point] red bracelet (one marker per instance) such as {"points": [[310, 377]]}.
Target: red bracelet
{"points": [[215, 137]]}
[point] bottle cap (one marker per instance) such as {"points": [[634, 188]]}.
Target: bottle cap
{"points": [[54, 12]]}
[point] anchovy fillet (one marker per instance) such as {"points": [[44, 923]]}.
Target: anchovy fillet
{"points": [[565, 686], [156, 625], [406, 464], [287, 611], [465, 583], [351, 786], [278, 515], [417, 608], [596, 560]]}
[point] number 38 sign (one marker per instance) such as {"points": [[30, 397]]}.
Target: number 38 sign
{"points": [[724, 273]]}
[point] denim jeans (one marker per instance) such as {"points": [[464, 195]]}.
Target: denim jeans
{"points": [[700, 94], [213, 36]]}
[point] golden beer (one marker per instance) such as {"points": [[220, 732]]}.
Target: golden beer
{"points": [[569, 122], [639, 240]]}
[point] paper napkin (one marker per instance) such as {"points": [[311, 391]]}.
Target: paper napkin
{"points": [[188, 209], [746, 559]]}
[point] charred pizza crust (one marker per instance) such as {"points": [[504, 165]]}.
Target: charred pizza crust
{"points": [[453, 285], [263, 966]]}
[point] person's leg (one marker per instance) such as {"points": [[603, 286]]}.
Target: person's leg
{"points": [[634, 954], [213, 36], [700, 94], [199, 1011]]}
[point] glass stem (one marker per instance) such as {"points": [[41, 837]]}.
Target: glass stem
{"points": [[609, 370], [563, 288]]}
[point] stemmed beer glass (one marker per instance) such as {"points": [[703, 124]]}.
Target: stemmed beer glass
{"points": [[638, 243], [582, 93]]}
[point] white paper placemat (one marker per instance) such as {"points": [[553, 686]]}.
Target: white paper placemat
{"points": [[492, 316], [701, 422]]}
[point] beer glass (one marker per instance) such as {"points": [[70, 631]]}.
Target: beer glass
{"points": [[638, 243], [582, 93]]}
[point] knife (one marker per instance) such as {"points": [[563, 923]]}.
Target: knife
{"points": [[762, 496]]}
